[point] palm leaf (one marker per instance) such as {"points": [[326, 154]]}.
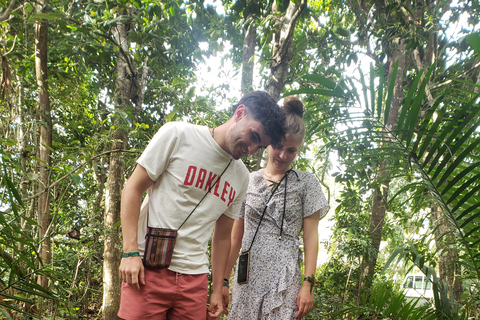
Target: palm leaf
{"points": [[18, 266], [381, 79], [391, 87], [441, 142]]}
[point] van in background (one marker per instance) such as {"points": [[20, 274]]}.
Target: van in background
{"points": [[418, 286]]}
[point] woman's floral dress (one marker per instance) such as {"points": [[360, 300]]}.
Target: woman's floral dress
{"points": [[274, 271]]}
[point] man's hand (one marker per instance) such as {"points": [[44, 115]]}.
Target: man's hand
{"points": [[215, 308], [132, 271], [304, 300], [225, 296]]}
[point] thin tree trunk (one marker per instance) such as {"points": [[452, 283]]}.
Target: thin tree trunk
{"points": [[111, 251], [282, 53], [6, 13], [282, 49], [448, 266], [115, 180], [45, 143], [249, 43], [32, 130], [128, 89], [380, 195]]}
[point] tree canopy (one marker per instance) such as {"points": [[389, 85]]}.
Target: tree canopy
{"points": [[391, 92]]}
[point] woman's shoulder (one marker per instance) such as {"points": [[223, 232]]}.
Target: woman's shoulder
{"points": [[305, 175], [307, 179], [258, 173]]}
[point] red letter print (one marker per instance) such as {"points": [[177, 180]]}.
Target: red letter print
{"points": [[210, 179], [201, 178], [231, 197], [190, 177], [224, 192], [215, 191]]}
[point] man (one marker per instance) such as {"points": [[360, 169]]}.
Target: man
{"points": [[178, 167]]}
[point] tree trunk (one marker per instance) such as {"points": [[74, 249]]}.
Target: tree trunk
{"points": [[380, 195], [282, 49], [128, 89], [249, 43], [99, 172], [115, 180], [45, 143], [6, 13], [282, 53], [111, 251], [448, 266]]}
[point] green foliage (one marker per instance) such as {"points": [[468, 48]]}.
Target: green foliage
{"points": [[352, 218], [385, 302], [19, 258], [437, 142], [432, 153], [82, 51], [444, 305], [336, 278]]}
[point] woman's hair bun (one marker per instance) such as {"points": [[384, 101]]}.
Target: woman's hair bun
{"points": [[293, 105]]}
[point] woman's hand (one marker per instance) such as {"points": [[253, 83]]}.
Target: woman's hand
{"points": [[304, 300]]}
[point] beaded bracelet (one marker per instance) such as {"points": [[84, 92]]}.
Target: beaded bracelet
{"points": [[130, 254], [225, 284]]}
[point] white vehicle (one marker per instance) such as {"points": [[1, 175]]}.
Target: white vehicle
{"points": [[418, 286]]}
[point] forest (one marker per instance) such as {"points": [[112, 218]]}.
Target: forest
{"points": [[391, 90]]}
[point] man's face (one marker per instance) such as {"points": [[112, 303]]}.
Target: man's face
{"points": [[246, 136]]}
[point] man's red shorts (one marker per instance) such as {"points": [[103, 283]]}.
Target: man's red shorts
{"points": [[165, 294]]}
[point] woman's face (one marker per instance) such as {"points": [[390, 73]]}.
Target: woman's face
{"points": [[281, 156]]}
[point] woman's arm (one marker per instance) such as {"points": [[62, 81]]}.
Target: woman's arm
{"points": [[310, 241], [236, 244], [237, 236]]}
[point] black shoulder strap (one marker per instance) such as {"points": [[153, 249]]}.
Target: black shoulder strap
{"points": [[209, 189], [266, 205]]}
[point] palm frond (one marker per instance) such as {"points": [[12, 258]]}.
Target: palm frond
{"points": [[19, 258], [439, 141]]}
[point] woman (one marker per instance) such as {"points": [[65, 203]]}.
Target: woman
{"points": [[274, 289]]}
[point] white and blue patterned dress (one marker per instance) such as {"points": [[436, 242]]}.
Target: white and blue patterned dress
{"points": [[274, 272]]}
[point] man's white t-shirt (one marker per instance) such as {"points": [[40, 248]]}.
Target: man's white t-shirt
{"points": [[184, 161]]}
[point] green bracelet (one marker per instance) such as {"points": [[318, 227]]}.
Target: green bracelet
{"points": [[130, 254], [312, 281], [225, 284]]}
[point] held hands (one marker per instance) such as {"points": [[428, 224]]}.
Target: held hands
{"points": [[215, 309], [304, 300], [132, 271]]}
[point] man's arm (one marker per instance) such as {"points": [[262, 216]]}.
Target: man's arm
{"points": [[131, 268], [220, 251]]}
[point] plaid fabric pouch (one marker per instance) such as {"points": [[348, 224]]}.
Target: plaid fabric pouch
{"points": [[159, 246]]}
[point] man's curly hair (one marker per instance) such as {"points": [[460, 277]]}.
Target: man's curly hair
{"points": [[263, 108]]}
